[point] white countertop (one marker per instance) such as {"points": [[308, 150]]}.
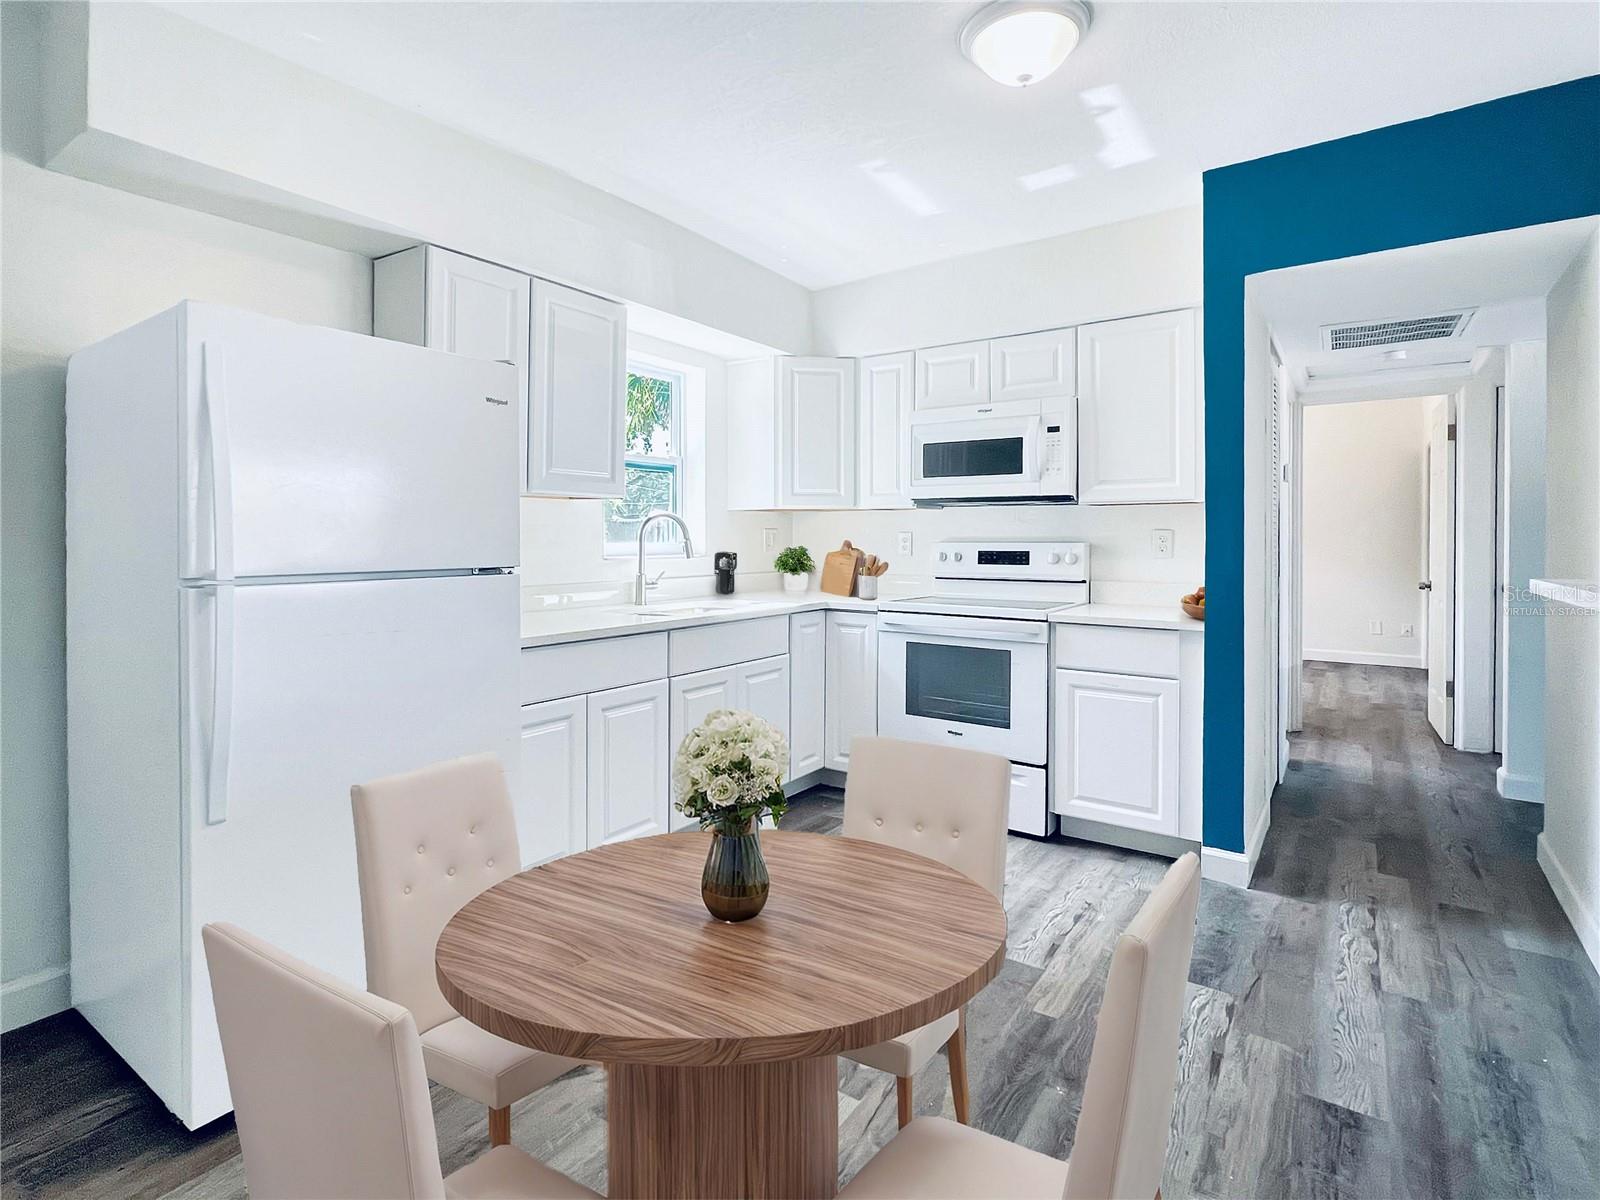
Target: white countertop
{"points": [[1131, 616], [578, 623]]}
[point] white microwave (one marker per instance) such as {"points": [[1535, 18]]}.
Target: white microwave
{"points": [[1026, 454]]}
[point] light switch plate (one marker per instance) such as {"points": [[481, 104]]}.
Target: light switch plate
{"points": [[1161, 543], [769, 539], [903, 542]]}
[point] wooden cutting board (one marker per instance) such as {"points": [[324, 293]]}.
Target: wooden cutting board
{"points": [[839, 570]]}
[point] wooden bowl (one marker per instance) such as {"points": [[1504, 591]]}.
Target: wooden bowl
{"points": [[1197, 611]]}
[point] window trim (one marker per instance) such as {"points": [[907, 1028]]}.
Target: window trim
{"points": [[677, 376]]}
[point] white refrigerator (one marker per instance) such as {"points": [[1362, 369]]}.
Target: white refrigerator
{"points": [[290, 567]]}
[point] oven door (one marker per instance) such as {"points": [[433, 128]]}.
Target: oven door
{"points": [[994, 456], [965, 681]]}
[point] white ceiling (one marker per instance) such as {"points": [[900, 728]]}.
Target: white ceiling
{"points": [[1504, 276], [833, 141]]}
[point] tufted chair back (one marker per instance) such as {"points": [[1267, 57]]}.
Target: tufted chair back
{"points": [[938, 801], [1120, 1147], [427, 842], [329, 1090]]}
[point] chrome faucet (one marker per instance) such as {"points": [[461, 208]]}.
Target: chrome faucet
{"points": [[641, 584]]}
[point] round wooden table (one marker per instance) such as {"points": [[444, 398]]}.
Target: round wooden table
{"points": [[719, 1040]]}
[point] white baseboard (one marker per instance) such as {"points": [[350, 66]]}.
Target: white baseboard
{"points": [[30, 998], [1519, 787], [1361, 658], [1578, 912], [1231, 867]]}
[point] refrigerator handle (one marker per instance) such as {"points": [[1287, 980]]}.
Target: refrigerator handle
{"points": [[220, 743], [214, 380]]}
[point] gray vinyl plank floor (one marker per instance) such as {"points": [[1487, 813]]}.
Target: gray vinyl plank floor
{"points": [[1397, 1007]]}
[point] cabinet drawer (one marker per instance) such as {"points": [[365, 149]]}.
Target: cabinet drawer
{"points": [[550, 672], [703, 647], [1120, 651]]}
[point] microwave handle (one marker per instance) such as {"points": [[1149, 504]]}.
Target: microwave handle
{"points": [[973, 627]]}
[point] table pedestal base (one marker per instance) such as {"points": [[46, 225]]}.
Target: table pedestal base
{"points": [[767, 1130]]}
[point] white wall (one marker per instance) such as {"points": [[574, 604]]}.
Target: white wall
{"points": [[1144, 265], [562, 540], [1569, 847], [1364, 530], [82, 261], [1521, 772]]}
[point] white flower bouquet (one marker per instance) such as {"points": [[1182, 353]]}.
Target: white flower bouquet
{"points": [[729, 771]]}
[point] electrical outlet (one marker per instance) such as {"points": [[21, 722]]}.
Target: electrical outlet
{"points": [[769, 539], [1161, 543], [903, 543], [1408, 631], [1375, 628]]}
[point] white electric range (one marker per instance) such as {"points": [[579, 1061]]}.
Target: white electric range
{"points": [[969, 663]]}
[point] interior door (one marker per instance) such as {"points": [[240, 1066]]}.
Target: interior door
{"points": [[694, 698], [577, 395], [314, 451], [292, 693], [1440, 584]]}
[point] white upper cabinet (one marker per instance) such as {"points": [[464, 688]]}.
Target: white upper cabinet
{"points": [[884, 452], [447, 301], [792, 433], [952, 376], [1139, 410], [1031, 366], [577, 398]]}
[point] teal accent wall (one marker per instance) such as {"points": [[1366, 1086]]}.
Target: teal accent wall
{"points": [[1521, 160]]}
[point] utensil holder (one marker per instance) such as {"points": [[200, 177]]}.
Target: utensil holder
{"points": [[866, 587]]}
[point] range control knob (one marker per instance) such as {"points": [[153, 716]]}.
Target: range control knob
{"points": [[943, 556], [958, 556], [1054, 557], [1072, 557]]}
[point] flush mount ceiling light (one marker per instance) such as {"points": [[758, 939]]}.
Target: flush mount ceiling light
{"points": [[1018, 42]]}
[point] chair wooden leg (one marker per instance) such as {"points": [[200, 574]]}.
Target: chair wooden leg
{"points": [[902, 1087], [500, 1126], [956, 1051]]}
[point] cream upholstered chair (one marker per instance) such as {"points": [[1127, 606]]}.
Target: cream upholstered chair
{"points": [[1121, 1144], [427, 842], [328, 1088], [950, 805]]}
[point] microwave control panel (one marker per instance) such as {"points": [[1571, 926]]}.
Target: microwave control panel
{"points": [[1054, 456]]}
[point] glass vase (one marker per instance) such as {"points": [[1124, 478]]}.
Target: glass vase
{"points": [[734, 883]]}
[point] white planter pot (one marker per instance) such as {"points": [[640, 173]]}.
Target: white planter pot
{"points": [[797, 583]]}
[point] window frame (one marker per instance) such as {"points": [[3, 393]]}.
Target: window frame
{"points": [[675, 462]]}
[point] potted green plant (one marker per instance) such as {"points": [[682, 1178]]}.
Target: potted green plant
{"points": [[795, 565]]}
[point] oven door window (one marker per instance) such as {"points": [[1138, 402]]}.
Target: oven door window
{"points": [[973, 459], [961, 685]]}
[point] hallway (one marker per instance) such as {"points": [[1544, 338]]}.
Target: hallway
{"points": [[1415, 977]]}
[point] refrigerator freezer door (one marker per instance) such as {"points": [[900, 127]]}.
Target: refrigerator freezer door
{"points": [[332, 683], [313, 451]]}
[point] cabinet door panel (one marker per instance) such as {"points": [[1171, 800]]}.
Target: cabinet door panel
{"points": [[952, 376], [885, 418], [852, 684], [1138, 410], [576, 422], [628, 734], [694, 698], [818, 432], [764, 691], [1117, 750], [808, 647], [1031, 366], [552, 815]]}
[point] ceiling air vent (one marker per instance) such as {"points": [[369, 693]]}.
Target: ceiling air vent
{"points": [[1372, 335]]}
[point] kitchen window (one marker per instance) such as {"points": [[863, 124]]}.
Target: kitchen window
{"points": [[653, 463]]}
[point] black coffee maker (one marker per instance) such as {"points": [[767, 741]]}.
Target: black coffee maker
{"points": [[726, 562]]}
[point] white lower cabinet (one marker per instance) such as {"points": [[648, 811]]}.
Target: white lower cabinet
{"points": [[760, 687], [1116, 750], [851, 686], [1030, 806], [553, 816], [628, 750], [808, 650]]}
